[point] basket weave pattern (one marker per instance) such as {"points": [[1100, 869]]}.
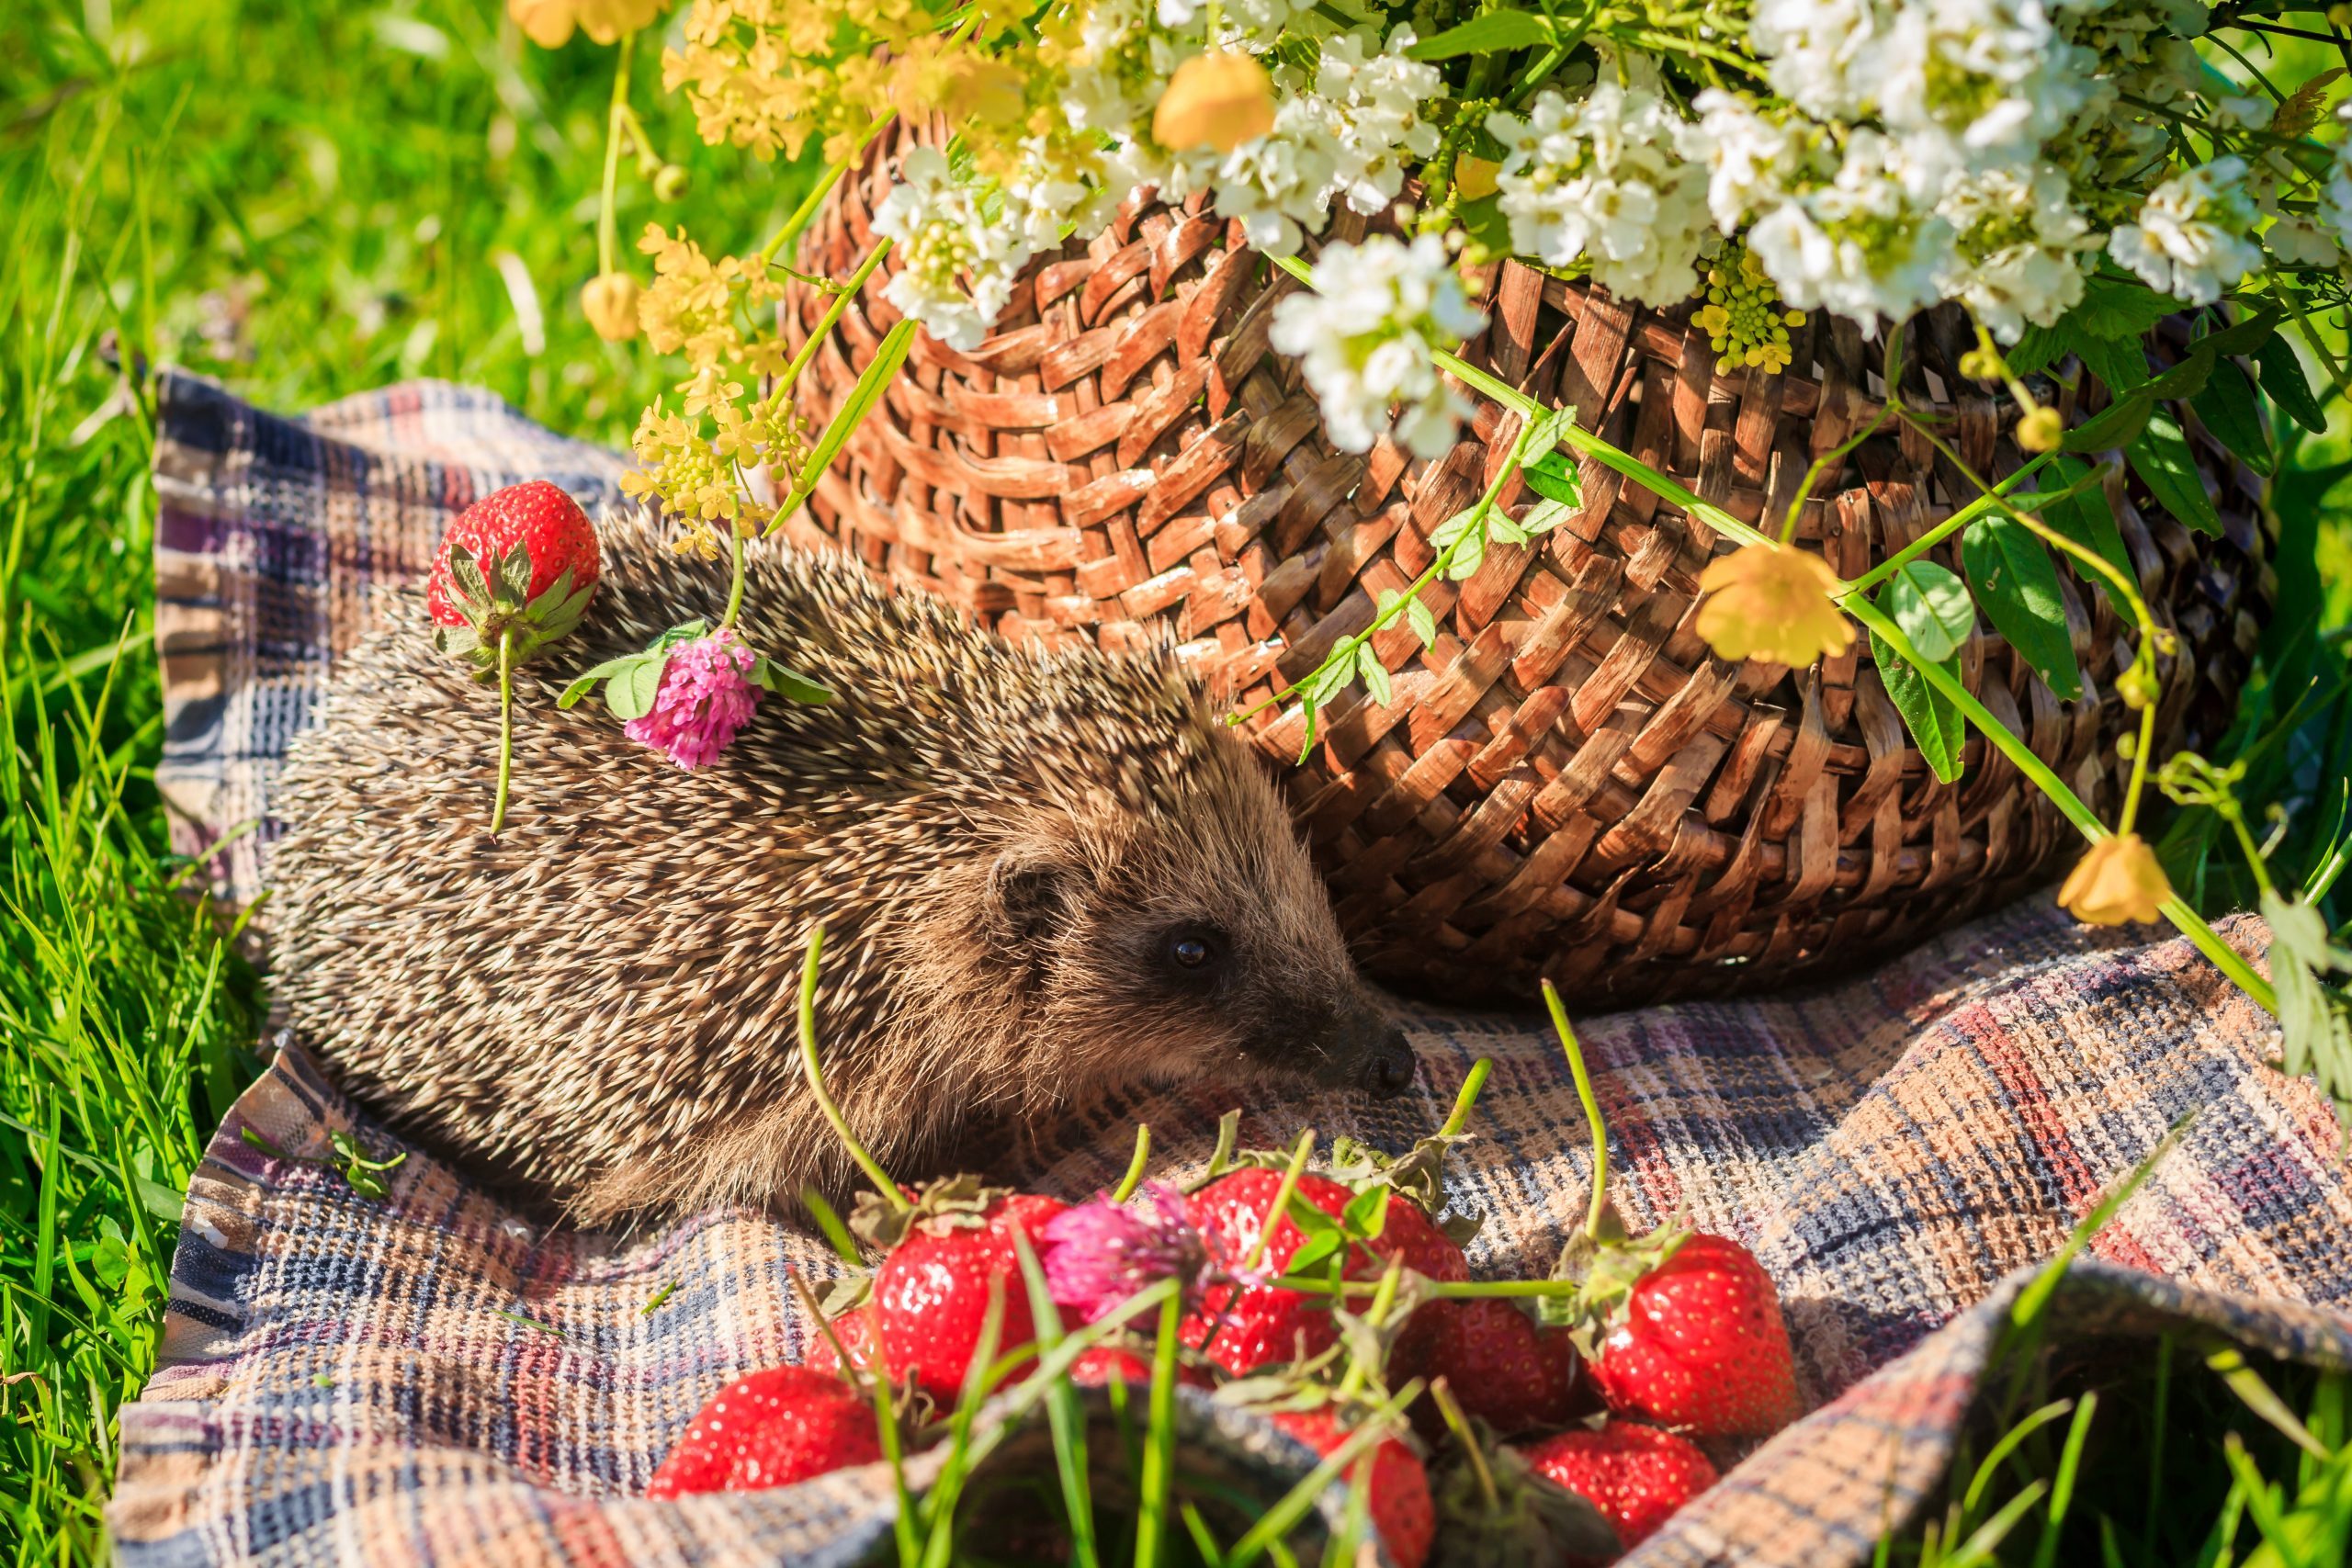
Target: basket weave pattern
{"points": [[1567, 783]]}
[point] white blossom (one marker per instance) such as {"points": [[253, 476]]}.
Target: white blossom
{"points": [[2017, 256], [1378, 106], [1615, 181], [1364, 335], [956, 268], [1861, 244], [2193, 238]]}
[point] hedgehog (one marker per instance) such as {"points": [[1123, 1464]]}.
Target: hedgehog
{"points": [[1042, 877]]}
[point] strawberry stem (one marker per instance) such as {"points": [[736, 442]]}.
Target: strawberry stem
{"points": [[1467, 1097], [1134, 1178], [1459, 1425], [1300, 1151], [1591, 1111], [866, 1162], [506, 727]]}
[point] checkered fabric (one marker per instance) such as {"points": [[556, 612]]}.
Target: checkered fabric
{"points": [[433, 1377]]}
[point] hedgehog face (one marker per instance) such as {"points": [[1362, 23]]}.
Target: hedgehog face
{"points": [[1176, 946]]}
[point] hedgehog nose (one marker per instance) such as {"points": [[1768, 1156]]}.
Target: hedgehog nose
{"points": [[1388, 1065]]}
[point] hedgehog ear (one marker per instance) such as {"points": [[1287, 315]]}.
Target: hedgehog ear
{"points": [[1030, 894]]}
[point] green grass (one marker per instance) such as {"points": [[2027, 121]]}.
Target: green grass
{"points": [[311, 200]]}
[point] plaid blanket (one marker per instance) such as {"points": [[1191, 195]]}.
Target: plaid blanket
{"points": [[432, 1378]]}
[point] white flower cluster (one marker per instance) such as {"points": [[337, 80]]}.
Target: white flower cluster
{"points": [[1365, 335], [2190, 241], [955, 269], [1612, 180]]}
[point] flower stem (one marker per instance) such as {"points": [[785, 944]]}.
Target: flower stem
{"points": [[614, 120], [2176, 909], [1467, 1097], [735, 584], [1160, 1452], [1591, 1104], [866, 1162], [505, 728], [1300, 1151], [1134, 1178], [824, 327]]}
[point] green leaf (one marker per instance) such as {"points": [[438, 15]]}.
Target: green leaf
{"points": [[1423, 621], [1932, 607], [1546, 515], [2018, 585], [630, 696], [789, 682], [514, 575], [2117, 425], [1935, 723], [1554, 477], [1496, 32], [2117, 307], [2119, 365], [2280, 370], [2164, 464], [2086, 520], [472, 585], [2230, 410], [2247, 336], [1375, 675], [1469, 556], [1366, 1216], [1453, 528], [2036, 350], [587, 678], [871, 386]]}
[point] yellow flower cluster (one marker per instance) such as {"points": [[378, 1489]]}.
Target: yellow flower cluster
{"points": [[695, 460], [1742, 318], [548, 23], [1772, 602], [770, 75]]}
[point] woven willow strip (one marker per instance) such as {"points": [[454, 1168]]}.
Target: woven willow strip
{"points": [[1567, 783]]}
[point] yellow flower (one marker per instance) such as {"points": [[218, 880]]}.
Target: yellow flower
{"points": [[609, 301], [548, 23], [1474, 176], [2118, 880], [1772, 602], [2042, 430], [1214, 100]]}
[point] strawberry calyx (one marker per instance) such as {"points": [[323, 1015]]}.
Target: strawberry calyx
{"points": [[490, 591], [953, 1203], [1504, 1513], [1605, 1270]]}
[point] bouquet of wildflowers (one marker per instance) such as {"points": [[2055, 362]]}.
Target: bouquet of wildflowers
{"points": [[2067, 172]]}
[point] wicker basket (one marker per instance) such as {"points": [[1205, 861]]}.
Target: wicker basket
{"points": [[1568, 783]]}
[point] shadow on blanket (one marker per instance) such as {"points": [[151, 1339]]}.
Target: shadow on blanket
{"points": [[431, 1378]]}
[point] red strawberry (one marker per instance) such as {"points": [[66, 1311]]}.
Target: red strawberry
{"points": [[1681, 1329], [1501, 1368], [1638, 1476], [855, 1329], [1243, 1329], [930, 1295], [771, 1429], [535, 517], [516, 571], [1699, 1343], [1120, 1363], [1399, 1487]]}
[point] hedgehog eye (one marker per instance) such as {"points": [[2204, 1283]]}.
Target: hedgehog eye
{"points": [[1192, 952]]}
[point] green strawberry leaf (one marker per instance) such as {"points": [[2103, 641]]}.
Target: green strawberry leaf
{"points": [[2018, 585], [513, 571], [2164, 464], [1932, 607], [472, 587], [1936, 726]]}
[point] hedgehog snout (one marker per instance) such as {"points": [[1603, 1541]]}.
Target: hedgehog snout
{"points": [[1362, 1050]]}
